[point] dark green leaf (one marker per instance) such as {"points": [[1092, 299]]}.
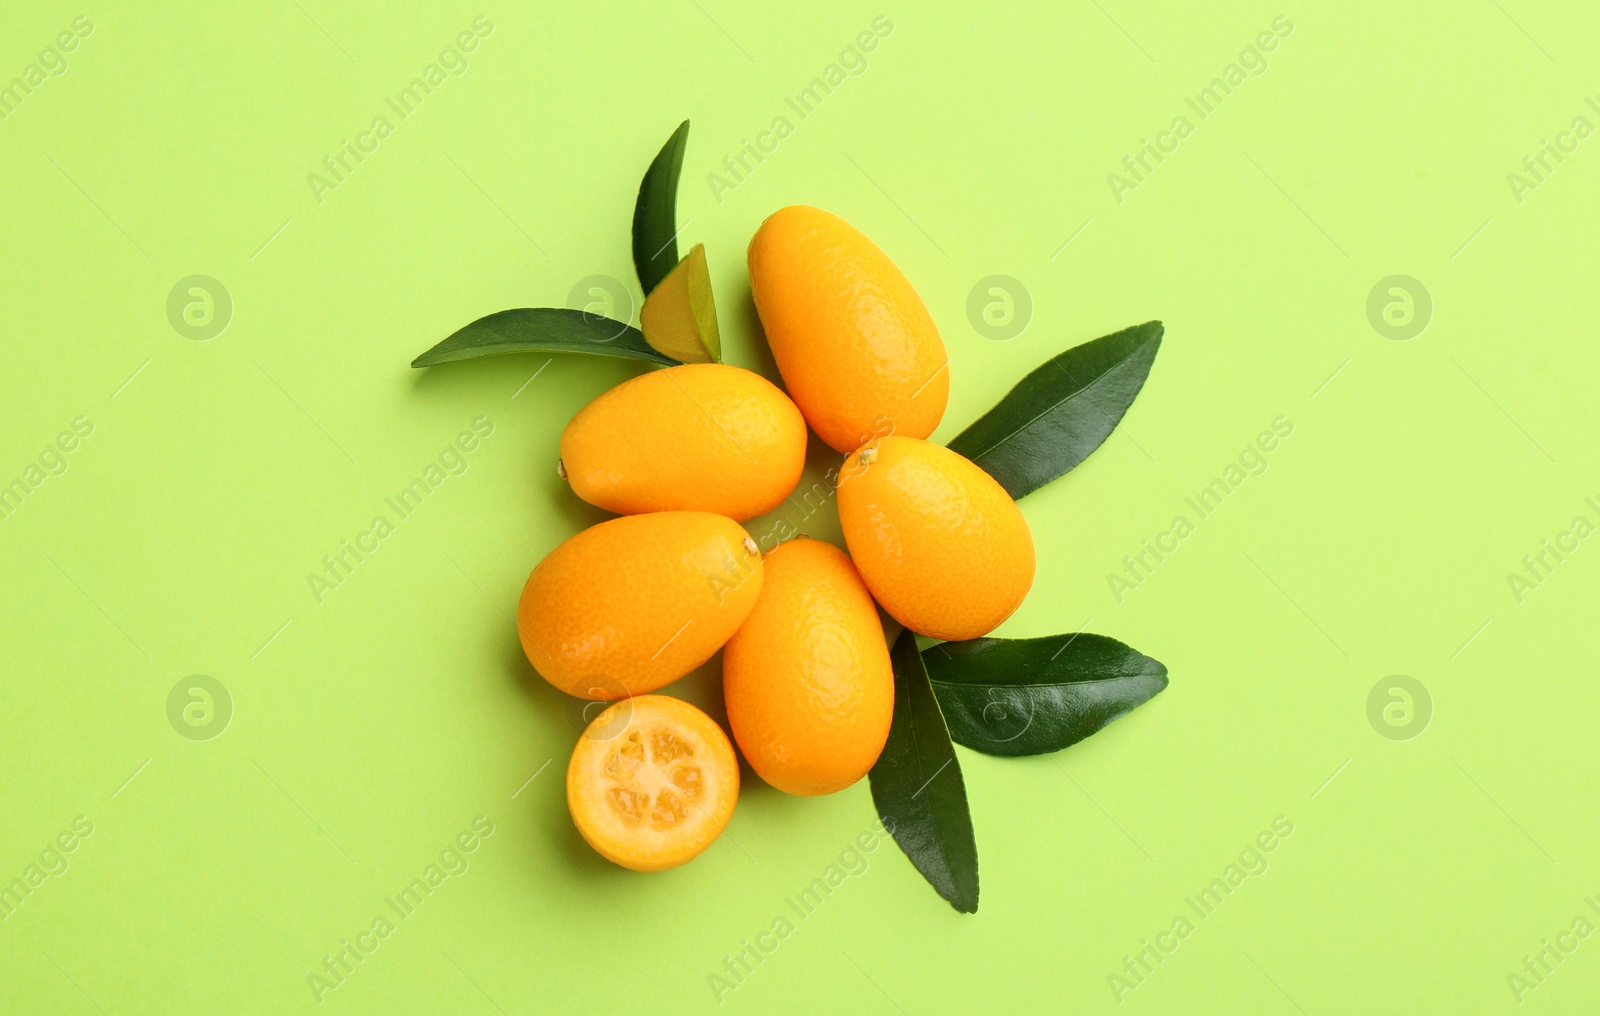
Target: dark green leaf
{"points": [[1030, 696], [546, 329], [1062, 411], [917, 786], [655, 214]]}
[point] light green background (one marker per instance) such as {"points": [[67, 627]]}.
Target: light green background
{"points": [[368, 730]]}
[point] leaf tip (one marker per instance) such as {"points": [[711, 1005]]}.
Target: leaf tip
{"points": [[1160, 670]]}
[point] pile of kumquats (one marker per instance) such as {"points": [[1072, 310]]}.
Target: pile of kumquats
{"points": [[685, 453]]}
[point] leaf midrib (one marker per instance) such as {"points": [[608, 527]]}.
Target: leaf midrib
{"points": [[1042, 684], [927, 789]]}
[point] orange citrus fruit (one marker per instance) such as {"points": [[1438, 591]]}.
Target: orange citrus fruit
{"points": [[629, 605], [939, 542], [652, 782], [807, 678], [857, 348], [700, 437]]}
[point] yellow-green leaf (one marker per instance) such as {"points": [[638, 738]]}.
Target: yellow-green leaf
{"points": [[679, 317]]}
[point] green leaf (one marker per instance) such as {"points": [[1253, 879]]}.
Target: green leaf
{"points": [[1062, 411], [655, 214], [917, 786], [548, 329], [1030, 696]]}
